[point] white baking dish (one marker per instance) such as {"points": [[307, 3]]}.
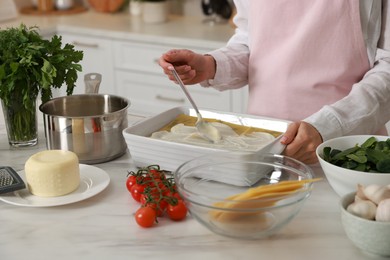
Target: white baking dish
{"points": [[170, 155]]}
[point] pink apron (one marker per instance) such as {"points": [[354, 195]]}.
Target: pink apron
{"points": [[304, 54]]}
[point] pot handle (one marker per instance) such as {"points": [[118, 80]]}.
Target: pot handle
{"points": [[92, 82]]}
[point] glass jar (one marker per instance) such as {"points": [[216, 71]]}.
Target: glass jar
{"points": [[21, 123]]}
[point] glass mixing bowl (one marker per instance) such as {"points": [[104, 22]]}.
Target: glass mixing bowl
{"points": [[204, 185]]}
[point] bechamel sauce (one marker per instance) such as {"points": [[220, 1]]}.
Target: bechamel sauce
{"points": [[181, 133]]}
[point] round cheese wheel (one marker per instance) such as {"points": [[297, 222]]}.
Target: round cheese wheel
{"points": [[52, 173]]}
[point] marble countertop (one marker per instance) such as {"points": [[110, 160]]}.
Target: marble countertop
{"points": [[103, 226]]}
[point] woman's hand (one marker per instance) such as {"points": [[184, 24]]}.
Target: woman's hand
{"points": [[302, 140], [191, 67]]}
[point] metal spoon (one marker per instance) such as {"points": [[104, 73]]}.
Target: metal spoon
{"points": [[205, 129]]}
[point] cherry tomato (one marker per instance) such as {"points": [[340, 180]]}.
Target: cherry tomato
{"points": [[178, 211], [147, 181], [147, 198], [157, 193], [154, 171], [136, 191], [173, 195], [159, 210], [143, 199], [177, 196], [163, 205], [145, 216], [131, 180], [152, 200]]}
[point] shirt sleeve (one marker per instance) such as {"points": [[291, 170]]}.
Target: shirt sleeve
{"points": [[233, 59], [366, 108]]}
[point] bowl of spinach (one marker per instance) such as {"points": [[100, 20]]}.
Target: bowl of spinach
{"points": [[356, 159]]}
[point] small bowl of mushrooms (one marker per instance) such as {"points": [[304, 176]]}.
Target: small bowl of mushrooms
{"points": [[365, 216]]}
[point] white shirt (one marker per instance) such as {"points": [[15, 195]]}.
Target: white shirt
{"points": [[365, 110]]}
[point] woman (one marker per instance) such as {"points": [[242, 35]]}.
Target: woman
{"points": [[314, 62]]}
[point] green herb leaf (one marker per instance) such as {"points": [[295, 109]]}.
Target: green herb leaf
{"points": [[31, 64], [383, 165], [371, 156], [369, 142], [357, 158]]}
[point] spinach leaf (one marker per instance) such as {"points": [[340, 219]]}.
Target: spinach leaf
{"points": [[383, 165], [371, 156]]}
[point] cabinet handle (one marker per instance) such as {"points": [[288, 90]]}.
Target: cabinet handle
{"points": [[88, 45], [179, 100]]}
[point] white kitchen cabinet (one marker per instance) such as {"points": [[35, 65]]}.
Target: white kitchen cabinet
{"points": [[141, 79], [150, 94], [98, 58], [130, 69]]}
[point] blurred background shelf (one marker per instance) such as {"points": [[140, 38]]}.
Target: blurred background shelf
{"points": [[32, 10]]}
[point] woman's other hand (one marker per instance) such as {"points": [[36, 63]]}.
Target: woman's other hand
{"points": [[302, 140], [191, 67]]}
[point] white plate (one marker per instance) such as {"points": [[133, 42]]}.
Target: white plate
{"points": [[92, 181]]}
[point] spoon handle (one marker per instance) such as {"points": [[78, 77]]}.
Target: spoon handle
{"points": [[178, 79]]}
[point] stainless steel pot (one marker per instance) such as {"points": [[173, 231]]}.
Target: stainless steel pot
{"points": [[90, 125]]}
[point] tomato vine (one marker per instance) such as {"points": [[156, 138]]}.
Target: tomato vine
{"points": [[155, 188]]}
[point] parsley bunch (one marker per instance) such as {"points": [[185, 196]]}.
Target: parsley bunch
{"points": [[30, 64]]}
